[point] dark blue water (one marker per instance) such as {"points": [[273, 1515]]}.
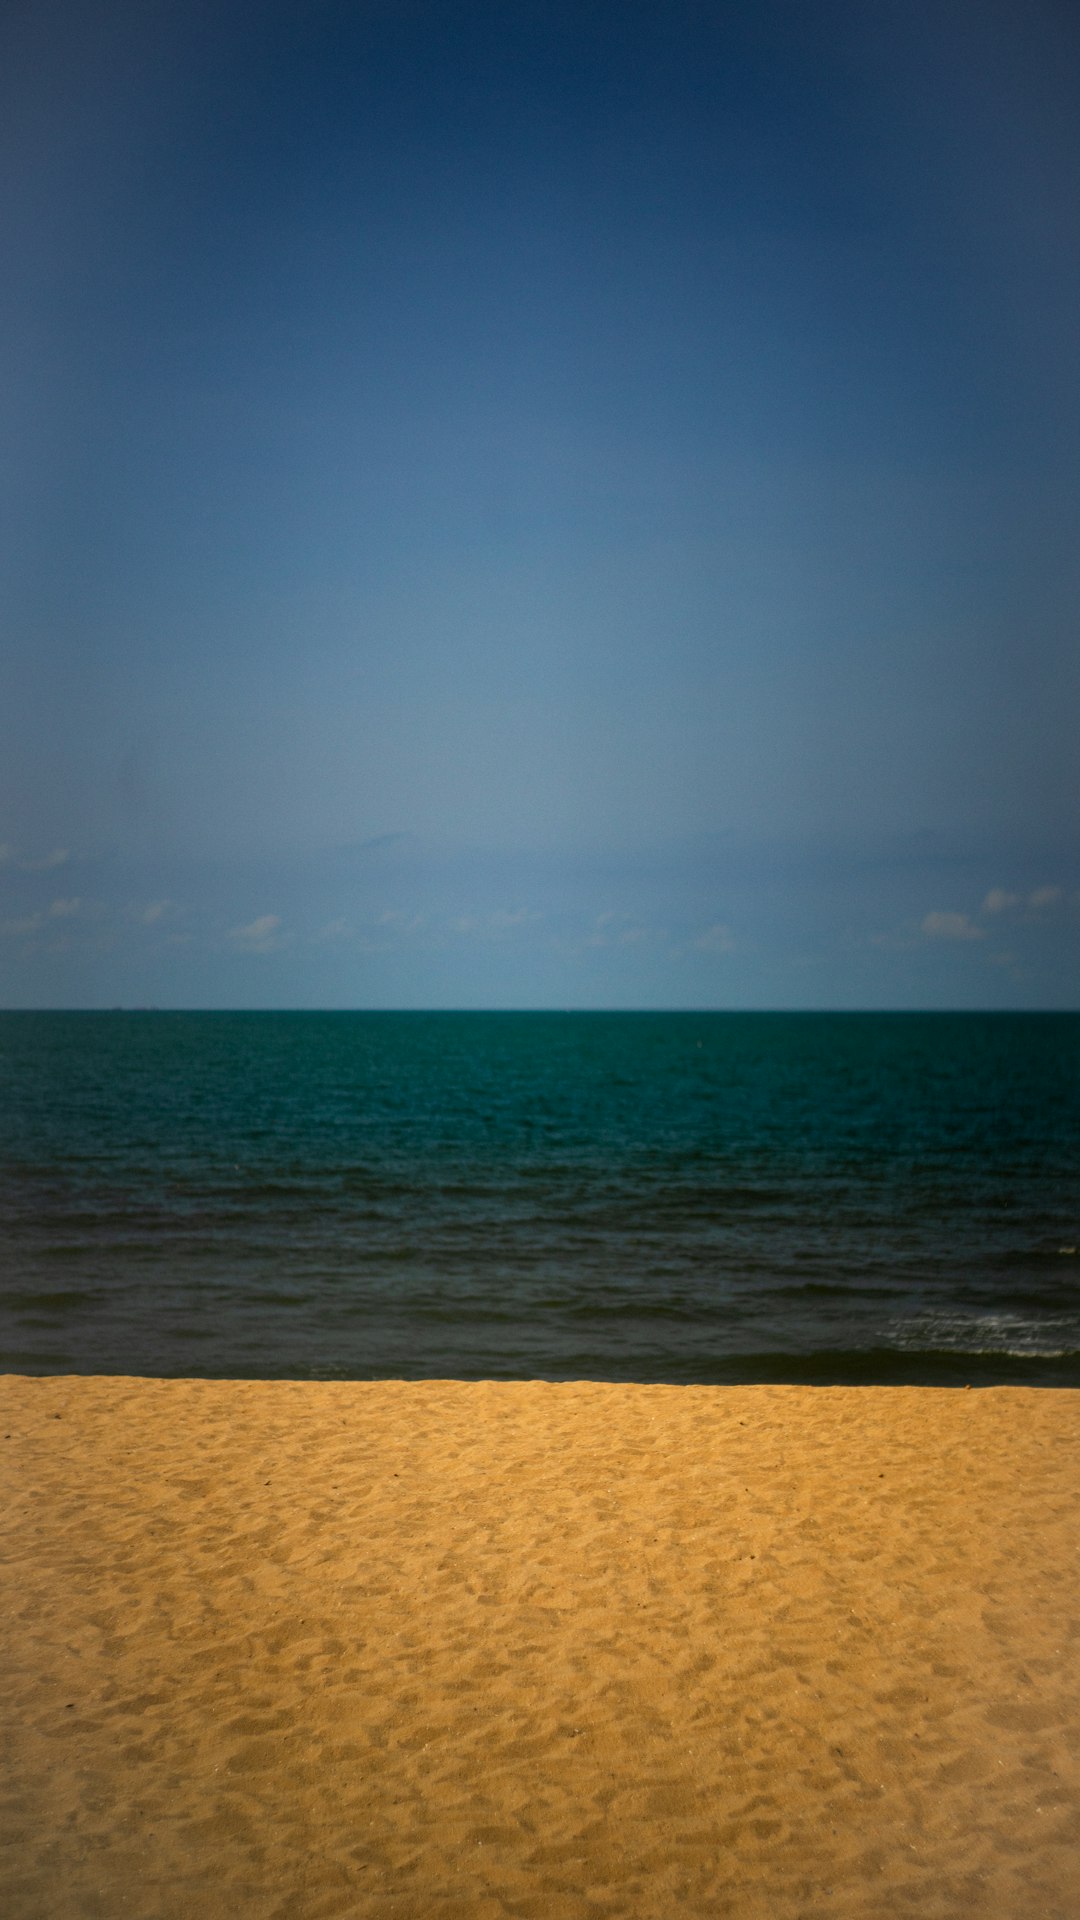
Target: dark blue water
{"points": [[677, 1197]]}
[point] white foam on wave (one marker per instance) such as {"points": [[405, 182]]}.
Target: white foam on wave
{"points": [[1014, 1335]]}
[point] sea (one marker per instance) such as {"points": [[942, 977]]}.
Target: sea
{"points": [[682, 1197]]}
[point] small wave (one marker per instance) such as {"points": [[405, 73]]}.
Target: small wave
{"points": [[1034, 1257], [1016, 1336]]}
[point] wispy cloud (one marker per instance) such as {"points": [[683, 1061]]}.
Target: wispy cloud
{"points": [[59, 857], [601, 934], [1039, 900], [495, 925], [716, 939], [258, 936], [44, 921], [612, 929], [395, 920], [47, 862], [951, 926], [504, 918]]}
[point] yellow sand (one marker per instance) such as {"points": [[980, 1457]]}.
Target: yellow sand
{"points": [[275, 1649]]}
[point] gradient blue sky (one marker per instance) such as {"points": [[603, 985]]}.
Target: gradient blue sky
{"points": [[540, 504]]}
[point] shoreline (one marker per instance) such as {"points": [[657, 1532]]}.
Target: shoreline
{"points": [[287, 1650]]}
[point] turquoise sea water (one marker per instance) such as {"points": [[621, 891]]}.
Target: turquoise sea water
{"points": [[613, 1196]]}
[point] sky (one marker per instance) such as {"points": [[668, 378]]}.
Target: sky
{"points": [[540, 503]]}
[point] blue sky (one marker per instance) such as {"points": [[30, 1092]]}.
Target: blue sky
{"points": [[540, 504]]}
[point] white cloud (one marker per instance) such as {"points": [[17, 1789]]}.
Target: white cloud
{"points": [[1039, 900], [258, 936], [616, 930], [895, 942], [503, 918], [154, 912], [71, 909], [605, 929], [399, 921], [951, 926], [59, 857], [488, 926], [716, 939]]}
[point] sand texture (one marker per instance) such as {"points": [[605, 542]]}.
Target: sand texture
{"points": [[288, 1651]]}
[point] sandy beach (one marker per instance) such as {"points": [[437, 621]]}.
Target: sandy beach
{"points": [[293, 1652]]}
